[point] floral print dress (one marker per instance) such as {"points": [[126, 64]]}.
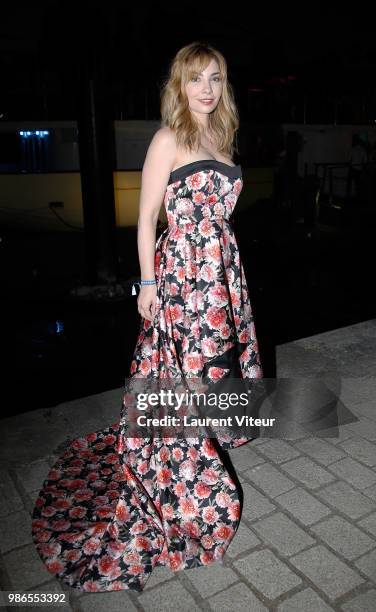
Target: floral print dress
{"points": [[113, 507]]}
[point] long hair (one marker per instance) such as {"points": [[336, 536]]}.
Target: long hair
{"points": [[175, 111]]}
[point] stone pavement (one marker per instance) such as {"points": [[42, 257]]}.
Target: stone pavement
{"points": [[307, 538]]}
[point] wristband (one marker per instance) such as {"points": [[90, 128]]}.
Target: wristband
{"points": [[142, 282], [148, 282]]}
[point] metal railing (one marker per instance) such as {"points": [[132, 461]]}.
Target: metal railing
{"points": [[327, 178]]}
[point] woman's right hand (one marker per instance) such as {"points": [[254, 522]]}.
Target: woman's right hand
{"points": [[147, 301]]}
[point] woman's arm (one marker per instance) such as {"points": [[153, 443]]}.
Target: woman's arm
{"points": [[156, 170]]}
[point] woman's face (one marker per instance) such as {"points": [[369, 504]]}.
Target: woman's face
{"points": [[204, 90]]}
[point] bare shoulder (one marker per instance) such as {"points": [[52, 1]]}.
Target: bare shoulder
{"points": [[162, 149], [164, 137]]}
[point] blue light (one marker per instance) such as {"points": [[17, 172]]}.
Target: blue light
{"points": [[59, 327], [39, 133]]}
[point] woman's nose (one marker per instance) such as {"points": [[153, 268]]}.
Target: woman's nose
{"points": [[207, 88]]}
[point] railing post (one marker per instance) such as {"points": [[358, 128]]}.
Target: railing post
{"points": [[97, 152]]}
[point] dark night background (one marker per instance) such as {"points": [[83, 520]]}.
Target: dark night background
{"points": [[289, 51], [303, 63]]}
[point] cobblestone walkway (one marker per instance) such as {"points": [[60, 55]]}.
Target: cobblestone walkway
{"points": [[307, 538]]}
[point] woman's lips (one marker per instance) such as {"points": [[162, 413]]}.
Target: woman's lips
{"points": [[207, 102]]}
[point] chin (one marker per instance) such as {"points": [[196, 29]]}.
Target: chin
{"points": [[208, 110]]}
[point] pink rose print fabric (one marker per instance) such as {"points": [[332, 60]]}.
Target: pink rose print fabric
{"points": [[114, 507]]}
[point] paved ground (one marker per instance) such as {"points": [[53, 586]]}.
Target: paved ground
{"points": [[307, 539]]}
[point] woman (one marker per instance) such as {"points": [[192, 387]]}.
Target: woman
{"points": [[115, 505]]}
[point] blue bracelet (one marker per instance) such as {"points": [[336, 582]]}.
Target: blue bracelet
{"points": [[141, 282]]}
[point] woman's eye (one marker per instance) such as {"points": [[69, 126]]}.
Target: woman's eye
{"points": [[196, 78]]}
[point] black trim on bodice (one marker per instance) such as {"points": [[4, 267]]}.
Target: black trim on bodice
{"points": [[204, 164]]}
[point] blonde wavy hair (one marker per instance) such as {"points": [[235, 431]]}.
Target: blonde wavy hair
{"points": [[175, 112]]}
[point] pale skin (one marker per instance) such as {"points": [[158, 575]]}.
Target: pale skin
{"points": [[162, 157]]}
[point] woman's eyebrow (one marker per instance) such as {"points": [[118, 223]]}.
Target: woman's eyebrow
{"points": [[212, 73]]}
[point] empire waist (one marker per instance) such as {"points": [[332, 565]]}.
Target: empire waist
{"points": [[191, 224]]}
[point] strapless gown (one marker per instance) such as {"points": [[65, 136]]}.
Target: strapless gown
{"points": [[113, 507]]}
